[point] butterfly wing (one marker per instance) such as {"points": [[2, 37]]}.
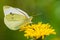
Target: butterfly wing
{"points": [[13, 25], [29, 18], [8, 10], [23, 12]]}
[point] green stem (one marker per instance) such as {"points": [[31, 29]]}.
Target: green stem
{"points": [[39, 39]]}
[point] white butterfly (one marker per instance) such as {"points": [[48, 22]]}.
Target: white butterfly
{"points": [[14, 18]]}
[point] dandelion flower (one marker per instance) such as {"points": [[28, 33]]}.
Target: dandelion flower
{"points": [[37, 30]]}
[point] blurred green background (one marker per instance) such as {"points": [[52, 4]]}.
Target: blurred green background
{"points": [[46, 11]]}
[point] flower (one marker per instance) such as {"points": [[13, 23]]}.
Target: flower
{"points": [[37, 30]]}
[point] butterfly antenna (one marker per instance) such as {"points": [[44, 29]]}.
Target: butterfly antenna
{"points": [[36, 15]]}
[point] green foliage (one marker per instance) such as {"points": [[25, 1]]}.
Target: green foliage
{"points": [[47, 11]]}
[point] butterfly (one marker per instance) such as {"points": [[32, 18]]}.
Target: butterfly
{"points": [[14, 18]]}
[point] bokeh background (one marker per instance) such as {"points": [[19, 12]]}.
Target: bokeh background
{"points": [[46, 11]]}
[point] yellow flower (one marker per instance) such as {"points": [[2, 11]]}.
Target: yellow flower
{"points": [[37, 30]]}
